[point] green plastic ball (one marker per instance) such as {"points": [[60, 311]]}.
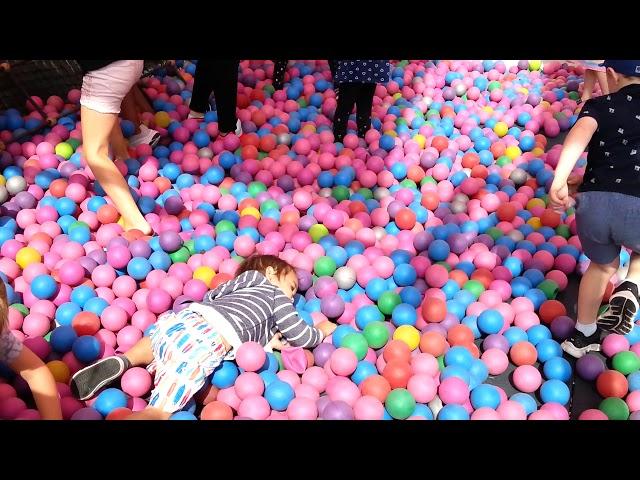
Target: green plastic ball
{"points": [[225, 226], [340, 193], [388, 301], [440, 362], [180, 256], [549, 288], [317, 231], [269, 205], [493, 85], [494, 233], [279, 358], [324, 266], [255, 188], [400, 403], [74, 142], [357, 343], [428, 179], [21, 308], [366, 193], [407, 183], [614, 408], [191, 246], [563, 231], [626, 362], [376, 333], [475, 287]]}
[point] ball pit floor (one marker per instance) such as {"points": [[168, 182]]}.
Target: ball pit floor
{"points": [[260, 186]]}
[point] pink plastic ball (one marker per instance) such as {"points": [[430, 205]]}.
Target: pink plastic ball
{"points": [[453, 390], [136, 382], [250, 356], [343, 362], [255, 407], [248, 384], [495, 360], [527, 378], [614, 343]]}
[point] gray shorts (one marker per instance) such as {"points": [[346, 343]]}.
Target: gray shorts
{"points": [[607, 221]]}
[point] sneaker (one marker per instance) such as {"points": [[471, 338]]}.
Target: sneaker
{"points": [[622, 309], [579, 345], [196, 115], [435, 405], [146, 136], [86, 382], [238, 130]]}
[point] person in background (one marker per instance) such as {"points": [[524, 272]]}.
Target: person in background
{"points": [[134, 105], [356, 80], [28, 365], [221, 78], [104, 85], [607, 204]]}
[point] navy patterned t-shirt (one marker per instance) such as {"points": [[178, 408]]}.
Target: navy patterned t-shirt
{"points": [[363, 71], [613, 161]]}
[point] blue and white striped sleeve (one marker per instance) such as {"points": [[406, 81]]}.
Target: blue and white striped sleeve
{"points": [[294, 330], [247, 279]]}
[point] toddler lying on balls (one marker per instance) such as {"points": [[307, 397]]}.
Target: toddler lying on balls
{"points": [[184, 348]]}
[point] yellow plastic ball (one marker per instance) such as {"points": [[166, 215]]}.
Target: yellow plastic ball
{"points": [[60, 371], [409, 335], [205, 274], [537, 151], [501, 129], [318, 231], [391, 133], [535, 202], [535, 65], [251, 211], [2, 181], [420, 140], [488, 109], [535, 222], [513, 152], [26, 256], [397, 95], [162, 119], [523, 90]]}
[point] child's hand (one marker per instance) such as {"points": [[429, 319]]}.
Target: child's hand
{"points": [[326, 328], [559, 197], [276, 343], [574, 181]]}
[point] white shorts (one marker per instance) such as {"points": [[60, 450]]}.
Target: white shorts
{"points": [[103, 90]]}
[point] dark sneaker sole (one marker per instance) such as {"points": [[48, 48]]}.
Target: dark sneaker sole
{"points": [[577, 352], [86, 382], [620, 313]]}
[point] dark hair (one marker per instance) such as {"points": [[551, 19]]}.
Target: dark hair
{"points": [[4, 307], [262, 262]]}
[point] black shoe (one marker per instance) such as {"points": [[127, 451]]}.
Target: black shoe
{"points": [[622, 309], [86, 382], [579, 345]]}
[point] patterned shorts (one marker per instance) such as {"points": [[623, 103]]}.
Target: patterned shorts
{"points": [[186, 350]]}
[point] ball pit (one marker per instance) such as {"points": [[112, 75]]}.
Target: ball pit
{"points": [[428, 241]]}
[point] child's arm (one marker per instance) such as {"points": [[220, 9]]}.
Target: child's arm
{"points": [[575, 143], [294, 330], [41, 383]]}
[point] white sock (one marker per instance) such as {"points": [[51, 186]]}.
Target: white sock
{"points": [[586, 329]]}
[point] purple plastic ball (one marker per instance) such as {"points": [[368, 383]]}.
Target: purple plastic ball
{"points": [[338, 410], [321, 403], [140, 248], [332, 306], [449, 321], [322, 353], [305, 280], [173, 205], [86, 413], [25, 200], [589, 367], [562, 327], [457, 242], [422, 240], [435, 327], [170, 241], [99, 255], [496, 341]]}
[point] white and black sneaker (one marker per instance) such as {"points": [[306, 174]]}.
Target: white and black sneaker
{"points": [[147, 136], [86, 382], [622, 309], [579, 345]]}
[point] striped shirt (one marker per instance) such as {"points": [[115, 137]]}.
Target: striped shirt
{"points": [[257, 310]]}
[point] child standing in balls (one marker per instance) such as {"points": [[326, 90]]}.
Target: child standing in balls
{"points": [[357, 80], [186, 347], [27, 364], [608, 203]]}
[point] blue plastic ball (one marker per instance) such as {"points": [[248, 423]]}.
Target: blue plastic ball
{"points": [[224, 376], [86, 348], [404, 314], [44, 287], [453, 412], [490, 321], [279, 394], [109, 400], [62, 338], [485, 396], [555, 391], [458, 356], [557, 368]]}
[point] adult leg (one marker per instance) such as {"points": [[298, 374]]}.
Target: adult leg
{"points": [[203, 82], [364, 103], [97, 128], [279, 70], [346, 100], [225, 89]]}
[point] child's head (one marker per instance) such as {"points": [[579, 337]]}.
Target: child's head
{"points": [[621, 73], [277, 271], [4, 307]]}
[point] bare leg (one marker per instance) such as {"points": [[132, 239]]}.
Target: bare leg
{"points": [[634, 268], [129, 109], [150, 413], [96, 130], [592, 287], [118, 143], [142, 103], [140, 355]]}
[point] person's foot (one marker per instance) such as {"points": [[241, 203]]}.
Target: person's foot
{"points": [[143, 226], [579, 345], [622, 309], [85, 383], [238, 130], [146, 136], [196, 115]]}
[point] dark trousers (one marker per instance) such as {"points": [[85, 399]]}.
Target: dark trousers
{"points": [[221, 78], [279, 70], [360, 95]]}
